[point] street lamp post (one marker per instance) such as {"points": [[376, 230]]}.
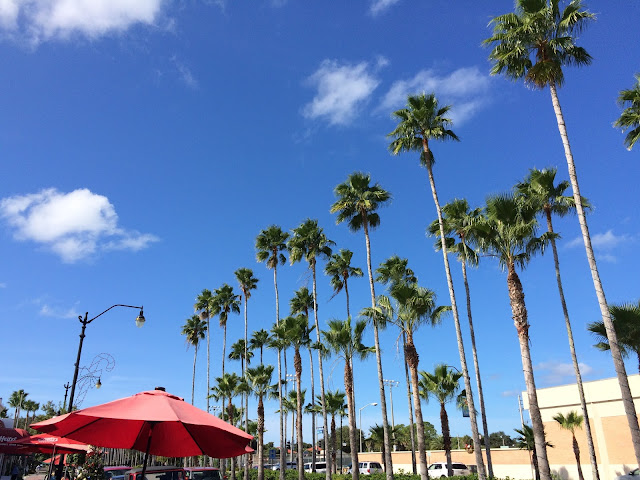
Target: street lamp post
{"points": [[373, 404], [86, 321]]}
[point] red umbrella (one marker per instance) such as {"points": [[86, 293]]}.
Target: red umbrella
{"points": [[46, 443], [8, 439], [153, 422]]}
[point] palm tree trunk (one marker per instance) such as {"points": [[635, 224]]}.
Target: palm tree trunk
{"points": [[388, 464], [313, 414], [618, 363], [476, 366], [477, 448], [245, 395], [410, 407], [574, 357], [260, 438], [282, 455], [411, 355], [193, 378], [233, 459], [327, 447], [519, 310], [446, 437], [209, 363], [297, 364], [346, 292], [353, 429], [333, 442], [576, 452]]}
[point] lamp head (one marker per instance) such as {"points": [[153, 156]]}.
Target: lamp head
{"points": [[98, 383], [374, 404], [140, 319]]}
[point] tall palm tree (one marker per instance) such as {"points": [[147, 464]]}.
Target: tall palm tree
{"points": [[391, 272], [228, 386], [301, 303], [246, 282], [571, 422], [420, 122], [16, 402], [626, 321], [356, 203], [309, 242], [346, 342], [224, 302], [443, 385], [630, 117], [509, 234], [240, 352], [335, 404], [195, 330], [259, 381], [258, 340], [278, 342], [526, 441], [539, 190], [203, 305], [534, 43], [270, 243], [297, 335], [415, 306], [340, 270], [460, 221], [29, 406]]}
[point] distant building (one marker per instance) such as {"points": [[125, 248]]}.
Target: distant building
{"points": [[609, 427]]}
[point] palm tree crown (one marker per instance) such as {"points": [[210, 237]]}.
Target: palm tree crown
{"points": [[357, 201], [626, 322], [309, 242], [537, 40], [340, 270], [269, 245], [224, 302], [630, 117]]}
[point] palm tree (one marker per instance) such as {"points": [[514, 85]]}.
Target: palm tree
{"points": [[258, 340], [16, 401], [443, 385], [391, 272], [414, 306], [356, 203], [630, 117], [526, 441], [259, 381], [297, 334], [626, 321], [460, 221], [29, 406], [195, 330], [309, 242], [335, 404], [238, 352], [570, 422], [278, 342], [424, 120], [509, 234], [340, 270], [534, 43], [346, 342], [301, 303], [228, 386], [548, 199], [203, 305], [247, 282], [270, 243], [224, 302]]}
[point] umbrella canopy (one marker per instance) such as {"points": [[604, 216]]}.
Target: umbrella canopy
{"points": [[46, 443], [55, 459], [8, 439], [153, 422]]}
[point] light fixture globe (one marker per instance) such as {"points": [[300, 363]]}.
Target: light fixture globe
{"points": [[140, 319], [98, 383]]}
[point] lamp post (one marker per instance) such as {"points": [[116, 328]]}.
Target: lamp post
{"points": [[86, 321], [373, 404]]}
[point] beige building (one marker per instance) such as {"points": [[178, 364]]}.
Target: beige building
{"points": [[609, 427]]}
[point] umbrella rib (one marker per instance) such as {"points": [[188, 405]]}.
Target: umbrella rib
{"points": [[193, 438]]}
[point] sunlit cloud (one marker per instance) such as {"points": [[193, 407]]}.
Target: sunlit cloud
{"points": [[380, 6], [557, 372]]}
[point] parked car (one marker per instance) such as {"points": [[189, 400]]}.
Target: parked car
{"points": [[289, 466], [119, 471], [367, 468], [632, 475], [439, 469], [321, 467], [203, 473], [157, 473]]}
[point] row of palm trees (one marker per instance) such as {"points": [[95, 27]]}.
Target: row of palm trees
{"points": [[19, 402], [533, 43]]}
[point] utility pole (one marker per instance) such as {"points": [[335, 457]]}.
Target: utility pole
{"points": [[66, 386]]}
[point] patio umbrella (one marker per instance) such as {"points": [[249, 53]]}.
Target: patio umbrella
{"points": [[153, 422], [46, 443], [8, 439]]}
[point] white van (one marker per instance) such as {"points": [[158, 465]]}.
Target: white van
{"points": [[321, 467], [439, 469]]}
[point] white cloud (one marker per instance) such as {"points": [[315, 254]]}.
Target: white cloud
{"points": [[185, 73], [379, 6], [342, 89], [604, 243], [556, 372], [466, 88], [49, 311], [45, 19], [511, 393], [74, 225]]}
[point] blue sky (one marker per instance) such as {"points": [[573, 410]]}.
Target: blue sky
{"points": [[145, 145]]}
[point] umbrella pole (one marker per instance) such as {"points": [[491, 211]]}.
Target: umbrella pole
{"points": [[146, 453], [53, 455]]}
